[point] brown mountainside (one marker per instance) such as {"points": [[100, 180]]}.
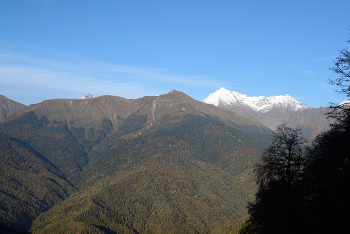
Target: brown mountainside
{"points": [[8, 107], [90, 112], [160, 164]]}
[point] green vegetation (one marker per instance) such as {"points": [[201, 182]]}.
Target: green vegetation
{"points": [[175, 173], [308, 193], [56, 143], [305, 189], [233, 228], [183, 178], [29, 184]]}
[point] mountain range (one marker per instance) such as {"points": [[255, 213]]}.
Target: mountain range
{"points": [[273, 111], [157, 164]]}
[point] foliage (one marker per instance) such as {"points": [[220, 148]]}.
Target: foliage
{"points": [[187, 173], [327, 177], [233, 228], [316, 200], [342, 67], [159, 197], [29, 184], [283, 160], [55, 143], [176, 178], [278, 201]]}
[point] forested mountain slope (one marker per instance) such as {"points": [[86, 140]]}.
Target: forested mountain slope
{"points": [[29, 184], [163, 164]]}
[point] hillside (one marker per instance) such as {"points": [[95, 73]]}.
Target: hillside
{"points": [[163, 164], [29, 184], [8, 107]]}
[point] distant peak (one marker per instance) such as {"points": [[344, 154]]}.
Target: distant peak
{"points": [[224, 97], [345, 102], [87, 96]]}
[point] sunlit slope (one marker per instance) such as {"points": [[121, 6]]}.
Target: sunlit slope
{"points": [[90, 112], [8, 107], [149, 165], [29, 184], [190, 176]]}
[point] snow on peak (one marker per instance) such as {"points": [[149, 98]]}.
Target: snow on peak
{"points": [[87, 96], [345, 102], [263, 104]]}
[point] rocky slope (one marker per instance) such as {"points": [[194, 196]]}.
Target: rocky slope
{"points": [[272, 111], [8, 107]]}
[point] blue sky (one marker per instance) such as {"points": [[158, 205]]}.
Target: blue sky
{"points": [[67, 48]]}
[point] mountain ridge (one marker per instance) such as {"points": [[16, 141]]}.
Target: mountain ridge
{"points": [[158, 164], [262, 103], [273, 111], [8, 107]]}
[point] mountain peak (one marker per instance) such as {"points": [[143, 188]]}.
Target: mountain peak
{"points": [[224, 97], [344, 103], [87, 96]]}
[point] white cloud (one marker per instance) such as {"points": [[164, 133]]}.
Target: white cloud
{"points": [[78, 77], [309, 73]]}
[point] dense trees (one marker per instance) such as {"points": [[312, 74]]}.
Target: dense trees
{"points": [[283, 159], [308, 191], [327, 174], [327, 179], [165, 180], [277, 205], [303, 189]]}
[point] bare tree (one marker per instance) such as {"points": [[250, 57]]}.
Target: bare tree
{"points": [[278, 202], [341, 67], [283, 160]]}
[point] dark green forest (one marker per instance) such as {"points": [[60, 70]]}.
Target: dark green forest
{"points": [[304, 188], [177, 173]]}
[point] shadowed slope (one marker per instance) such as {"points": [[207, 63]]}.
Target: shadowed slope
{"points": [[29, 184]]}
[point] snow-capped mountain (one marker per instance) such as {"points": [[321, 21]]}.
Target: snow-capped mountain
{"points": [[87, 96], [224, 97], [344, 103], [272, 111]]}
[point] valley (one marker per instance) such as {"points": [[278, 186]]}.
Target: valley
{"points": [[158, 164], [161, 164]]}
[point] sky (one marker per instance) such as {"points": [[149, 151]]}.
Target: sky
{"points": [[68, 48]]}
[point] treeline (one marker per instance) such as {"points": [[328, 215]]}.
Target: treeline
{"points": [[305, 188]]}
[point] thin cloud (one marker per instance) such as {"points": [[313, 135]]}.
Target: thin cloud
{"points": [[80, 76], [309, 73], [282, 68], [248, 77], [326, 58]]}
